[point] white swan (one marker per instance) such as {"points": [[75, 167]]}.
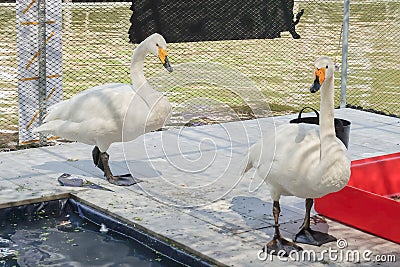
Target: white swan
{"points": [[303, 160], [113, 112]]}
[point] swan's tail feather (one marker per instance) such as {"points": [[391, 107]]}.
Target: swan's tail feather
{"points": [[247, 162], [47, 128], [253, 156]]}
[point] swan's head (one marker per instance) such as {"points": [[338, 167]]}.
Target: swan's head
{"points": [[157, 45], [324, 69]]}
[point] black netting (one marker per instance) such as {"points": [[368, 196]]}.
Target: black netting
{"points": [[212, 20]]}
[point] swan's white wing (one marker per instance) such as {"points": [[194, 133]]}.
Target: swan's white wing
{"points": [[296, 139], [294, 166], [285, 159], [94, 116], [106, 114], [82, 105]]}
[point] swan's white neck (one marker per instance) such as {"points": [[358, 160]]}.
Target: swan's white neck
{"points": [[326, 118], [137, 75], [139, 82]]}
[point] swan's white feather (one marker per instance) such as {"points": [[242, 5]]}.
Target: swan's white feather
{"points": [[105, 114], [290, 162], [113, 112]]}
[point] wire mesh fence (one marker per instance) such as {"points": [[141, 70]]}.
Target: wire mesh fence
{"points": [[96, 50], [374, 47]]}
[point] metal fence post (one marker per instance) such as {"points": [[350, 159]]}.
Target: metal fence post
{"points": [[42, 65], [345, 53]]}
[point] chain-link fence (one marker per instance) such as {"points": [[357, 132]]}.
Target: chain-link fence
{"points": [[96, 50], [374, 50]]}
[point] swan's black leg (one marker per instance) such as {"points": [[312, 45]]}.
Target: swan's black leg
{"points": [[278, 244], [96, 158], [308, 236], [125, 180]]}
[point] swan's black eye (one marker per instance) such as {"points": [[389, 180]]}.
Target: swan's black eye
{"points": [[157, 45], [326, 66]]}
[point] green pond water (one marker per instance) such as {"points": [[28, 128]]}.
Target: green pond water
{"points": [[63, 238]]}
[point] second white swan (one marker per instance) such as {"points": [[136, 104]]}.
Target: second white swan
{"points": [[303, 160]]}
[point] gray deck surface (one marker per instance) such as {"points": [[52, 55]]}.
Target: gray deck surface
{"points": [[191, 192]]}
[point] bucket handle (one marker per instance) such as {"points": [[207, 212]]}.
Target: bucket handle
{"points": [[338, 123], [301, 111]]}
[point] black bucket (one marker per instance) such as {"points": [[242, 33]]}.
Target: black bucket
{"points": [[342, 127]]}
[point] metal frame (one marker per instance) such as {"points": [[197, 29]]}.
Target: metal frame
{"points": [[345, 52]]}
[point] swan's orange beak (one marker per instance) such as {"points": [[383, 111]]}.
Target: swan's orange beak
{"points": [[320, 73], [162, 55], [319, 78]]}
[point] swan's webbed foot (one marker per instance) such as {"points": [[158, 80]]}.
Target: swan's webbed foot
{"points": [[308, 236], [123, 180], [311, 237], [282, 247]]}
